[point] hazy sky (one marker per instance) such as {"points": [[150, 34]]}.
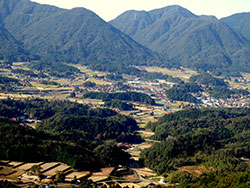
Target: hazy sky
{"points": [[109, 9]]}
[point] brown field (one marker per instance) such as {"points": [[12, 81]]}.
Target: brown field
{"points": [[47, 166], [144, 146], [15, 164], [61, 167], [4, 161], [184, 75], [195, 170], [99, 82], [5, 171], [78, 175], [143, 184], [19, 65], [134, 153], [130, 185], [104, 172], [146, 133], [98, 178], [18, 173], [28, 166], [146, 172], [15, 96]]}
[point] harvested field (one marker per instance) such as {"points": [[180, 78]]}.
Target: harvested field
{"points": [[144, 146], [143, 184], [5, 171], [18, 173], [47, 166], [78, 175], [104, 172], [130, 185], [146, 172], [134, 153], [98, 178], [195, 170], [133, 177], [135, 158], [4, 162], [61, 167], [184, 75], [28, 166], [146, 134], [15, 164]]}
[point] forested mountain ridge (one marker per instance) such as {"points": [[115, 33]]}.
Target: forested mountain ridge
{"points": [[172, 36], [10, 48], [239, 22], [76, 35], [200, 42]]}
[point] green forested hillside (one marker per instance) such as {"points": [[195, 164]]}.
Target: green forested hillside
{"points": [[177, 37], [216, 139], [23, 144], [68, 132], [10, 48], [239, 22], [200, 42], [76, 35]]}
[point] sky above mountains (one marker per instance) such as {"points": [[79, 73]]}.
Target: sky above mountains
{"points": [[109, 9]]}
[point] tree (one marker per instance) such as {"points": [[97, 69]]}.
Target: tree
{"points": [[36, 170], [89, 84], [60, 176]]}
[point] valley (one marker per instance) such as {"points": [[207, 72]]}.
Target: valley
{"points": [[157, 98], [74, 88]]}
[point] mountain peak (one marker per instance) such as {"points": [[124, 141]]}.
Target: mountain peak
{"points": [[173, 10], [186, 39]]}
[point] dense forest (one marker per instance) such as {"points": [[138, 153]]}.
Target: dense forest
{"points": [[8, 84], [207, 79], [69, 132], [183, 92], [119, 104], [126, 96], [214, 138]]}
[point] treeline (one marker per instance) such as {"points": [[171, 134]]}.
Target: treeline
{"points": [[119, 127], [183, 92], [215, 138], [69, 132], [8, 84], [126, 96], [207, 79], [43, 109], [119, 104], [7, 80], [23, 144], [74, 118]]}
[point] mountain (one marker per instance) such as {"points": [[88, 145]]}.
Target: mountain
{"points": [[239, 22], [10, 48], [201, 42], [76, 35]]}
